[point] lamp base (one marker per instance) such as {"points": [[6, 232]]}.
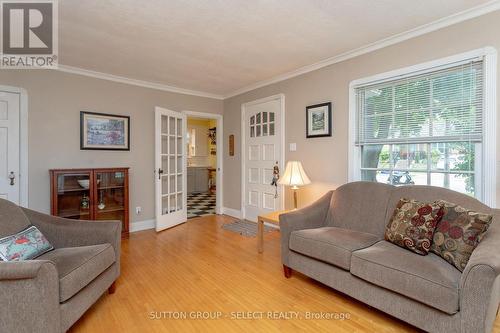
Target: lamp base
{"points": [[295, 188]]}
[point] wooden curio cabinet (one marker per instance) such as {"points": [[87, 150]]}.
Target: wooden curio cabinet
{"points": [[91, 194]]}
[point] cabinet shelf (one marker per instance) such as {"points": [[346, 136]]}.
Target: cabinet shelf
{"points": [[110, 209], [75, 189], [110, 187], [73, 213]]}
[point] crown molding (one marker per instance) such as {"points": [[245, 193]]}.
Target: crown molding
{"points": [[419, 31], [134, 82]]}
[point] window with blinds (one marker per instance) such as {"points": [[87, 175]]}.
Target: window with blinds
{"points": [[423, 129]]}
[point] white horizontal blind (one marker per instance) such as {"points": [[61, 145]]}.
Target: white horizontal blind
{"points": [[445, 105]]}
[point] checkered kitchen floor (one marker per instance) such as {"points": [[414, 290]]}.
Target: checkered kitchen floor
{"points": [[200, 204]]}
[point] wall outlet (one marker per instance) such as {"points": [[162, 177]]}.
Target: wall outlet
{"points": [[293, 146], [138, 210]]}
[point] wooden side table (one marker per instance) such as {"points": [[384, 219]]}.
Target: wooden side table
{"points": [[274, 218]]}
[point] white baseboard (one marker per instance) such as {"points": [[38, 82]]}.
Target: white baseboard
{"points": [[142, 225], [231, 212]]}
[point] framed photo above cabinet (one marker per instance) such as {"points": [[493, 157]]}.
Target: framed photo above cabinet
{"points": [[91, 194], [99, 131]]}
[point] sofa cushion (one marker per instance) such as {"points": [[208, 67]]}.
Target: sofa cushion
{"points": [[78, 266], [12, 219], [330, 244], [412, 225], [426, 279], [458, 233]]}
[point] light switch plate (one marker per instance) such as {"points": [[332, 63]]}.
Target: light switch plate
{"points": [[293, 147]]}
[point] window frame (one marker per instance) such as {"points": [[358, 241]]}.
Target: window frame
{"points": [[487, 152]]}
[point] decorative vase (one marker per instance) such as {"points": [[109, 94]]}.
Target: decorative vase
{"points": [[101, 204], [85, 202]]}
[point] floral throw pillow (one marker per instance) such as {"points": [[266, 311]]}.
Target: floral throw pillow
{"points": [[27, 244], [458, 233], [412, 225]]}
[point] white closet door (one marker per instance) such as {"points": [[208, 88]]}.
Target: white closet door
{"points": [[9, 146]]}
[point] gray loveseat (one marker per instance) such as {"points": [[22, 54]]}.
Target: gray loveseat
{"points": [[50, 293], [339, 241]]}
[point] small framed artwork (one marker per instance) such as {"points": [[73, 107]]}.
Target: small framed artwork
{"points": [[99, 131], [319, 120]]}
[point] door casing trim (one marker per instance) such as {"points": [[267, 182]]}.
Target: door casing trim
{"points": [[220, 155]]}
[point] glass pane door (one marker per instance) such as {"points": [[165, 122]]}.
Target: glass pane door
{"points": [[110, 195], [73, 191], [170, 150], [172, 159]]}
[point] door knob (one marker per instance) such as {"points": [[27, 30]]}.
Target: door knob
{"points": [[160, 172], [12, 178]]}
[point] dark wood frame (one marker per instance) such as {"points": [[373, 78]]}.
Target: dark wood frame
{"points": [[82, 116], [329, 105], [93, 195]]}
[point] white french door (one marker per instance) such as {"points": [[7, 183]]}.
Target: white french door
{"points": [[170, 172], [9, 146], [262, 152]]}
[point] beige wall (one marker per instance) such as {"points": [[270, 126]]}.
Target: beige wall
{"points": [[56, 98], [55, 102], [325, 159]]}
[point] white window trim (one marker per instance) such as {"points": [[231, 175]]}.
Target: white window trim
{"points": [[489, 56]]}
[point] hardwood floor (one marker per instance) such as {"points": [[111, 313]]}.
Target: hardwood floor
{"points": [[199, 267]]}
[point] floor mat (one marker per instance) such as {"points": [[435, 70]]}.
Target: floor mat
{"points": [[245, 228]]}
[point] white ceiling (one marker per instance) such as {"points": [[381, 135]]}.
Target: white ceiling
{"points": [[221, 46]]}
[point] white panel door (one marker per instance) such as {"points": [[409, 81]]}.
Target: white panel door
{"points": [[170, 162], [9, 146], [262, 151]]}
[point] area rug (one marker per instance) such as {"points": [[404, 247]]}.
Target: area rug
{"points": [[245, 228]]}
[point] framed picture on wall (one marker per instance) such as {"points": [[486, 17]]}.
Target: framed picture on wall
{"points": [[319, 120], [99, 131]]}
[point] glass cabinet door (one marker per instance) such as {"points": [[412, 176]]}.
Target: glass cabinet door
{"points": [[110, 195], [73, 195]]}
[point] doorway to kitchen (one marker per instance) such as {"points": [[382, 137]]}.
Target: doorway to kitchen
{"points": [[204, 163]]}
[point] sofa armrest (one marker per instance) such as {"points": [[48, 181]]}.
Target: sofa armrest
{"points": [[29, 297], [63, 232], [480, 282], [312, 216]]}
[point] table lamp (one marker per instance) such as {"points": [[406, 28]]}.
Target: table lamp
{"points": [[294, 176]]}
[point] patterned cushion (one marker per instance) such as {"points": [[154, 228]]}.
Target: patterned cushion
{"points": [[458, 233], [412, 225], [27, 244]]}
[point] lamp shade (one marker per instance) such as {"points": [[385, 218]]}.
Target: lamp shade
{"points": [[294, 175]]}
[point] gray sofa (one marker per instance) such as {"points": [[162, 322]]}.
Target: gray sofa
{"points": [[50, 293], [339, 241]]}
